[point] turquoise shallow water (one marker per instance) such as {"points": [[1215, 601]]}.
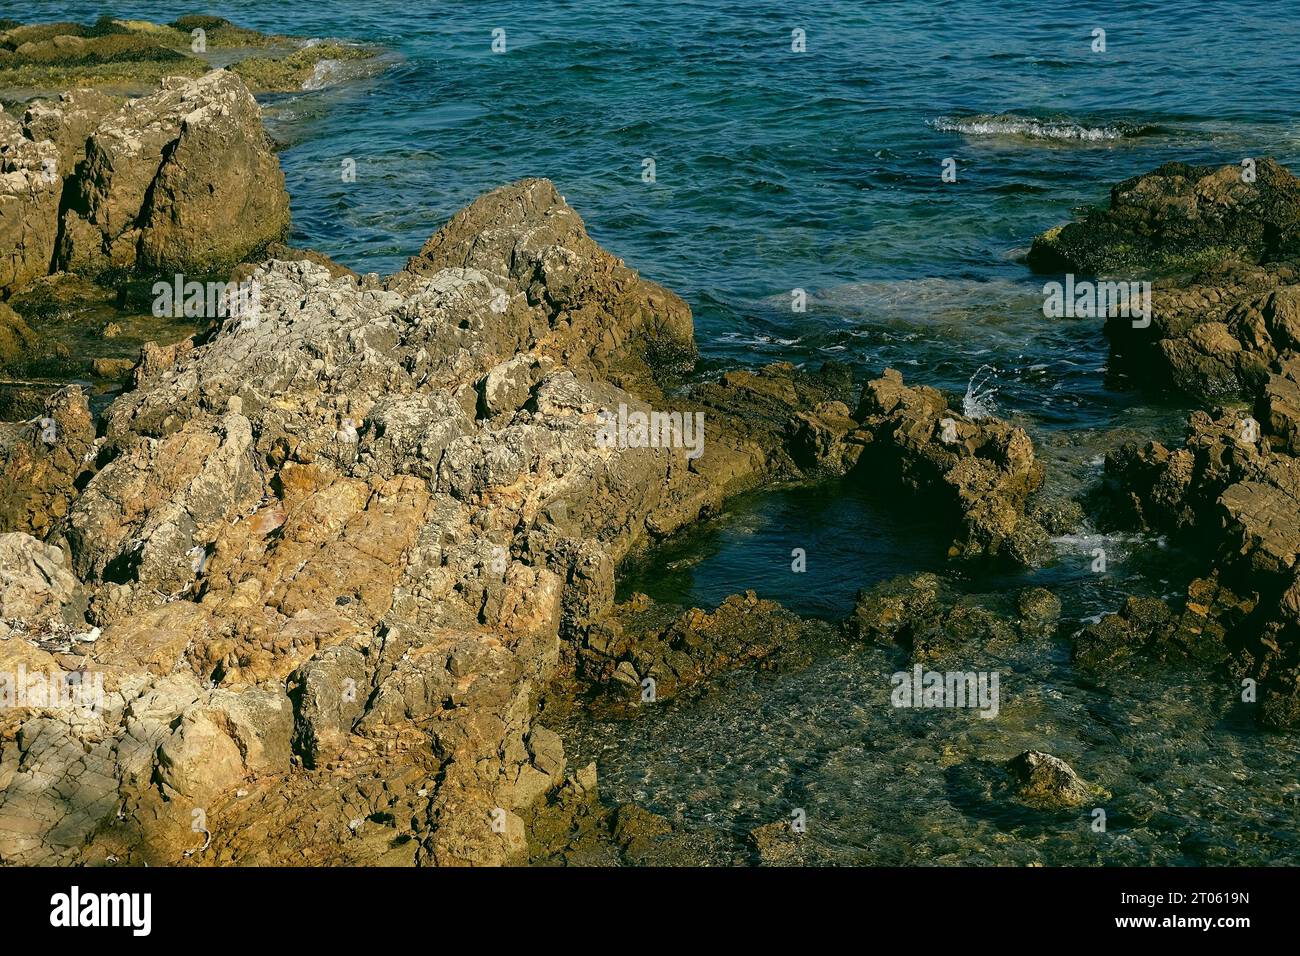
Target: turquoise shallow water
{"points": [[820, 170]]}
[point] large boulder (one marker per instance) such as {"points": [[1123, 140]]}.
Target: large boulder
{"points": [[31, 183], [184, 180]]}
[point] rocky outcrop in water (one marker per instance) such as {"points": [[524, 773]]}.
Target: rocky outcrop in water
{"points": [[920, 613], [133, 56], [1218, 336], [1233, 491], [1048, 783], [636, 659], [184, 180], [982, 471], [1179, 218]]}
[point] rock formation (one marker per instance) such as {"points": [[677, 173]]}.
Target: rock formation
{"points": [[338, 548], [1179, 218], [982, 471]]}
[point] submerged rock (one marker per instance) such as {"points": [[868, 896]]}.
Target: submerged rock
{"points": [[1048, 783], [639, 662], [920, 613], [134, 56]]}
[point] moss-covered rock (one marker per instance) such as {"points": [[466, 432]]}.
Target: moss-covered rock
{"points": [[135, 56], [1179, 219]]}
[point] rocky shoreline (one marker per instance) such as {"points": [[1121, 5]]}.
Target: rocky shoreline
{"points": [[339, 560]]}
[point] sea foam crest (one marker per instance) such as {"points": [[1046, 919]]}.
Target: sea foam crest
{"points": [[1032, 127]]}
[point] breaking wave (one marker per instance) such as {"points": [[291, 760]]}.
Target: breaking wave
{"points": [[1032, 127]]}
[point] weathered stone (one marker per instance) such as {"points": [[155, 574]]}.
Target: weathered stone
{"points": [[1048, 783], [35, 583], [981, 470], [182, 181], [1179, 217]]}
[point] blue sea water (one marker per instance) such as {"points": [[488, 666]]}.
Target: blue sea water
{"points": [[821, 170]]}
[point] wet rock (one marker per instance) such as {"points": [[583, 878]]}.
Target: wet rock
{"points": [[776, 844], [917, 613], [307, 68], [1048, 783], [981, 471], [655, 663], [1177, 218], [891, 610], [1039, 610]]}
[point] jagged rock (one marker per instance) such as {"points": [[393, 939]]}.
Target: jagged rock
{"points": [[331, 691], [558, 291], [67, 122], [982, 470], [312, 496], [142, 515], [889, 611], [31, 184], [1233, 491], [1216, 336], [1178, 217], [1147, 628], [182, 181], [35, 583], [41, 462]]}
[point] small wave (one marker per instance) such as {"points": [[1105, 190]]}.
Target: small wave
{"points": [[1032, 127], [323, 74]]}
